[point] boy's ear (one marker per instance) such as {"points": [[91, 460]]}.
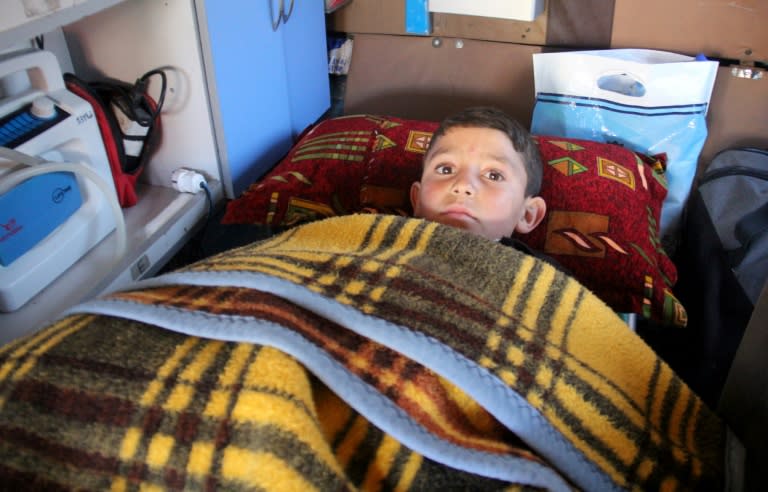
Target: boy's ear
{"points": [[415, 189], [535, 209]]}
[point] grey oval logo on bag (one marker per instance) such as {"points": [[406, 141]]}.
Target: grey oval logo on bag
{"points": [[622, 83]]}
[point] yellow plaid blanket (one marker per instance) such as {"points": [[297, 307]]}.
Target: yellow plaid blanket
{"points": [[365, 352]]}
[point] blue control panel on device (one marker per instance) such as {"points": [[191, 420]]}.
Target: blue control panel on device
{"points": [[22, 125], [34, 208]]}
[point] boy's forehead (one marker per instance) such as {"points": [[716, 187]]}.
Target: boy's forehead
{"points": [[468, 133], [490, 142]]}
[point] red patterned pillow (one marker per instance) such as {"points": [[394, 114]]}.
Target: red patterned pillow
{"points": [[603, 208], [603, 202], [341, 165]]}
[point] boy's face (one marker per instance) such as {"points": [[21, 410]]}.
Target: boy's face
{"points": [[473, 178]]}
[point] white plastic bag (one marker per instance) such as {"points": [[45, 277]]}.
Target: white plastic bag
{"points": [[650, 101]]}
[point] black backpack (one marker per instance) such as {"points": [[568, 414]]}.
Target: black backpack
{"points": [[722, 266]]}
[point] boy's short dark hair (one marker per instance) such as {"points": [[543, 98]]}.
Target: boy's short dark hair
{"points": [[522, 140]]}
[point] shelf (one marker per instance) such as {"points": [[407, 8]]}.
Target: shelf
{"points": [[157, 227], [19, 24]]}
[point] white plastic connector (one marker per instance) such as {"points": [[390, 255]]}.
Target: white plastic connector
{"points": [[187, 180]]}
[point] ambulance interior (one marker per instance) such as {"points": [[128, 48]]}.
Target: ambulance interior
{"points": [[242, 91]]}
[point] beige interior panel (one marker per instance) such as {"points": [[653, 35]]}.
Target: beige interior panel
{"points": [[410, 77], [738, 114], [487, 28]]}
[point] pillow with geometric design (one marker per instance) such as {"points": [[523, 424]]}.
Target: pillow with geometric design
{"points": [[603, 202], [603, 207], [339, 166]]}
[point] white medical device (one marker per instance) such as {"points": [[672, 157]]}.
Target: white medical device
{"points": [[40, 118]]}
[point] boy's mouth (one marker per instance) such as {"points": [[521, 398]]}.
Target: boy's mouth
{"points": [[456, 212]]}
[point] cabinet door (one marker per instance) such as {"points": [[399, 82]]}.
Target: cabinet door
{"points": [[306, 57], [265, 84]]}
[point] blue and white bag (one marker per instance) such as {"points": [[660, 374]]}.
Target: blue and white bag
{"points": [[650, 101]]}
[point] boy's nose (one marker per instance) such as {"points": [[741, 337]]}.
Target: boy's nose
{"points": [[463, 187]]}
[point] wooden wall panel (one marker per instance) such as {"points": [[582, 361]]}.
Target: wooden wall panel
{"points": [[582, 24], [717, 28], [578, 23]]}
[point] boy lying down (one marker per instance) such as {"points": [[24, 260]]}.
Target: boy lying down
{"points": [[483, 173]]}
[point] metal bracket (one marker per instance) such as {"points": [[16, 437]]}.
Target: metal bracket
{"points": [[747, 70]]}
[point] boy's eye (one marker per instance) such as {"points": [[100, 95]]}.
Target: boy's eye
{"points": [[494, 176], [444, 169]]}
